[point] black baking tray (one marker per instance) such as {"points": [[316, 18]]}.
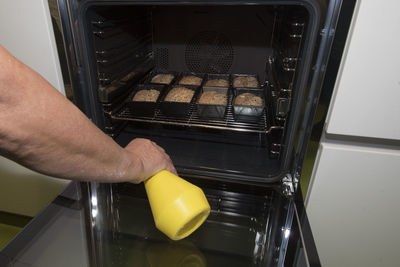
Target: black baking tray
{"points": [[154, 73], [245, 112], [234, 76], [184, 74], [143, 108], [177, 109], [215, 77], [210, 111]]}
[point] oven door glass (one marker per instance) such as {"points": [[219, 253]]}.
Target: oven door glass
{"points": [[113, 226]]}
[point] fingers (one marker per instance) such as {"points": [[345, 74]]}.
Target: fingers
{"points": [[158, 147], [153, 157], [172, 169], [170, 166]]}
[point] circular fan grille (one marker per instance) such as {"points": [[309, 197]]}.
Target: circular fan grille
{"points": [[209, 52]]}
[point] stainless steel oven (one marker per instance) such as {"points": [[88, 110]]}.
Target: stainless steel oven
{"points": [[247, 158]]}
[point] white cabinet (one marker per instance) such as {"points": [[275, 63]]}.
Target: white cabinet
{"points": [[27, 32], [367, 100], [353, 206]]}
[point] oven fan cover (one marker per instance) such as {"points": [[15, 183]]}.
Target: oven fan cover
{"points": [[209, 52]]}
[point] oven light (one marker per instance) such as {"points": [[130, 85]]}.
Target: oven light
{"points": [[287, 233]]}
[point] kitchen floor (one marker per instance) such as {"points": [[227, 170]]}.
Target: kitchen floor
{"points": [[10, 226]]}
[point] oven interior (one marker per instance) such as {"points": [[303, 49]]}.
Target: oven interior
{"points": [[127, 45]]}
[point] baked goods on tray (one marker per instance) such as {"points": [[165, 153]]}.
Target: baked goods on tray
{"points": [[217, 83], [146, 96], [162, 78], [248, 99], [190, 80], [245, 81], [213, 98], [179, 94]]}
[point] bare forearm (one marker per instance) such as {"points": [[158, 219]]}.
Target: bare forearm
{"points": [[37, 121]]}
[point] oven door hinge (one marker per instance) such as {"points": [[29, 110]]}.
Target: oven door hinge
{"points": [[289, 184]]}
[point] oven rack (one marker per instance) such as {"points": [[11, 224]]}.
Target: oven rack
{"points": [[192, 119]]}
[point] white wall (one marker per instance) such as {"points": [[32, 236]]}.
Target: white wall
{"points": [[26, 31]]}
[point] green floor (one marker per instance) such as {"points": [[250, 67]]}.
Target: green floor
{"points": [[10, 226], [7, 233]]}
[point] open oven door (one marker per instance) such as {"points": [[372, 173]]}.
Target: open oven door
{"points": [[301, 250], [84, 227]]}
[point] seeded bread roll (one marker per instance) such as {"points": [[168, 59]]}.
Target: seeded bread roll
{"points": [[146, 96], [179, 94], [213, 98], [248, 99], [162, 78], [245, 81], [191, 80], [217, 82]]}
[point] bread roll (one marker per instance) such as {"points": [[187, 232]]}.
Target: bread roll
{"points": [[191, 80], [217, 82], [146, 96], [162, 78], [245, 81], [248, 99], [179, 94], [213, 98]]}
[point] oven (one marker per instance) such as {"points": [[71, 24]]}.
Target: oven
{"points": [[247, 157]]}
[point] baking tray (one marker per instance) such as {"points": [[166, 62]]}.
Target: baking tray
{"points": [[210, 111], [184, 74], [177, 109], [154, 73], [234, 76], [245, 112], [143, 108], [215, 77]]}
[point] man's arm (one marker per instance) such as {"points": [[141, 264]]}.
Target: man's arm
{"points": [[42, 130]]}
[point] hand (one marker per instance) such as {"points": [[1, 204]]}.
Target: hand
{"points": [[152, 158]]}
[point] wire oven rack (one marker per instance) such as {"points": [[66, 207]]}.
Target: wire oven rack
{"points": [[192, 119]]}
